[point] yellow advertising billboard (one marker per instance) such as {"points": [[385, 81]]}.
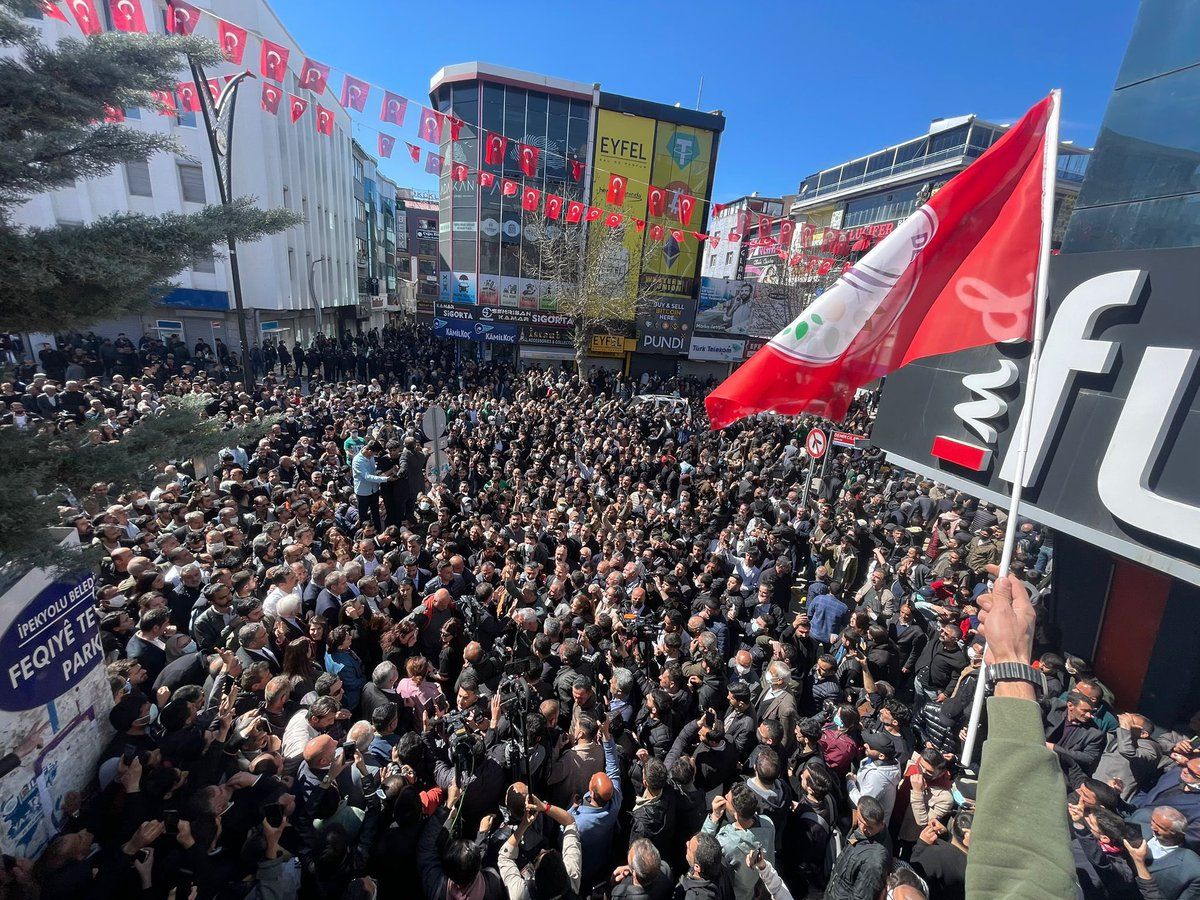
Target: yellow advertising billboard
{"points": [[682, 160], [624, 146]]}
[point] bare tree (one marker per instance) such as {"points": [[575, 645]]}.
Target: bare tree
{"points": [[593, 274]]}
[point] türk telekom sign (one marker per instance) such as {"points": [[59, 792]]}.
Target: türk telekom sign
{"points": [[1116, 428]]}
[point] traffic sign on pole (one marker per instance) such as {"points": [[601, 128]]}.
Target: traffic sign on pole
{"points": [[816, 443], [433, 423]]}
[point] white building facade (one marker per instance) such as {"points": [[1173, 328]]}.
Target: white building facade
{"points": [[280, 164]]}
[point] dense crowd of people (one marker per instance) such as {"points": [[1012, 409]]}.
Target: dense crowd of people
{"points": [[611, 653]]}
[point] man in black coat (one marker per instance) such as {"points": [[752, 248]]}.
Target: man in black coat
{"points": [[1074, 737], [412, 477]]}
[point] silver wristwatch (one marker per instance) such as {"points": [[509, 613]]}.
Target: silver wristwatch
{"points": [[1014, 671]]}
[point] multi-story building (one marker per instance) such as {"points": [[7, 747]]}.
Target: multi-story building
{"points": [[374, 240], [293, 282], [887, 185], [726, 260], [489, 243], [417, 250]]}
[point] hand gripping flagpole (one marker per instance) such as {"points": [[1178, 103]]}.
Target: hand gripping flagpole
{"points": [[1049, 178]]}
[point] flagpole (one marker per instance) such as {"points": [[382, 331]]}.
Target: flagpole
{"points": [[1049, 179]]}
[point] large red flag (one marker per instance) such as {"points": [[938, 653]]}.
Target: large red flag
{"points": [[958, 273], [232, 39], [127, 15], [86, 16], [272, 60]]}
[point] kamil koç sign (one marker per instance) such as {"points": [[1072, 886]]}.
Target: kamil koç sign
{"points": [[1115, 428]]}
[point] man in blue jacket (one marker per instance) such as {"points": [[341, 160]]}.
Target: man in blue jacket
{"points": [[827, 616], [596, 815], [366, 483]]}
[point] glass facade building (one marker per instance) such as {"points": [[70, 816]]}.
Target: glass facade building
{"points": [[1143, 187]]}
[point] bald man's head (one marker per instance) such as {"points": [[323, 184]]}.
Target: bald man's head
{"points": [[318, 752]]}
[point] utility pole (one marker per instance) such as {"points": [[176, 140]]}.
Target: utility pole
{"points": [[312, 293], [218, 114]]}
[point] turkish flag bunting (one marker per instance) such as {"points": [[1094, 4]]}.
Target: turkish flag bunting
{"points": [[182, 17], [700, 237], [455, 127], [188, 98], [354, 93], [272, 60], [639, 225], [127, 15], [214, 89], [814, 262], [414, 151], [324, 121], [613, 219], [577, 168], [575, 210], [656, 201], [459, 172], [393, 108], [794, 260], [714, 240], [232, 40], [616, 190], [314, 76], [51, 9], [765, 225], [717, 208], [656, 232], [677, 235], [687, 204], [114, 114], [271, 95], [86, 16], [806, 235], [297, 105], [431, 125], [734, 237], [486, 179], [493, 148], [386, 144], [166, 103], [527, 159], [786, 227], [554, 206], [530, 197], [508, 187], [433, 163], [593, 213], [958, 273]]}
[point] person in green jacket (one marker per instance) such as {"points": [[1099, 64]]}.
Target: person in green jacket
{"points": [[1020, 838]]}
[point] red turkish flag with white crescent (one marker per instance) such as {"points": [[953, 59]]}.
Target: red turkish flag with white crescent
{"points": [[575, 210], [324, 121], [639, 225], [214, 89], [527, 159], [297, 106], [687, 204], [493, 148], [393, 108], [530, 198], [182, 17], [434, 163], [577, 168], [958, 273], [616, 189], [656, 201], [765, 226], [188, 98], [166, 103], [677, 235], [49, 8], [554, 206], [314, 76], [486, 179], [593, 213], [414, 151], [657, 232], [431, 125], [271, 95], [386, 144], [127, 15], [272, 60], [459, 172], [86, 16], [508, 187], [613, 219], [354, 93], [786, 228], [700, 237], [232, 40], [456, 125]]}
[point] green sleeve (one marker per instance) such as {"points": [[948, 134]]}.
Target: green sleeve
{"points": [[1020, 839]]}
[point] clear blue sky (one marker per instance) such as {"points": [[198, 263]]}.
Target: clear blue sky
{"points": [[802, 84]]}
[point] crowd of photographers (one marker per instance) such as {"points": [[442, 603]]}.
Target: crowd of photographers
{"points": [[610, 653]]}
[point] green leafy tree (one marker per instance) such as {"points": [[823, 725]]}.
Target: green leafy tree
{"points": [[53, 102]]}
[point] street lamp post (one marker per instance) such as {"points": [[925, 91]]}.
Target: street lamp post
{"points": [[218, 114], [312, 293]]}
